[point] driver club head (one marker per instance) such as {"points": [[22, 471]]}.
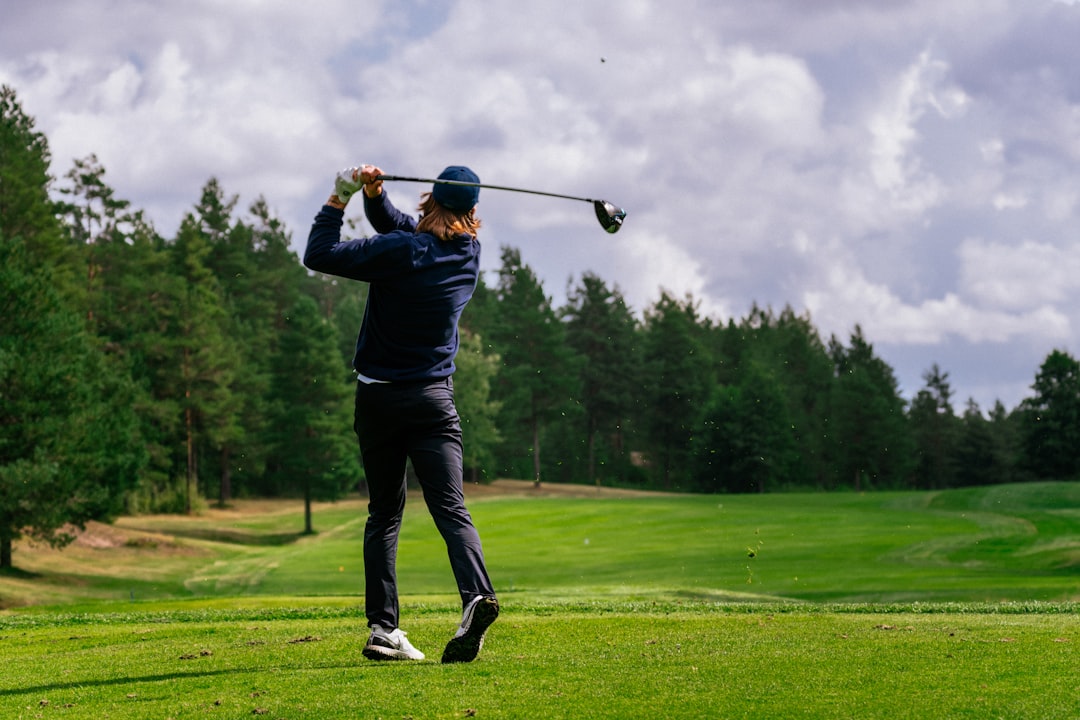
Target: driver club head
{"points": [[610, 217]]}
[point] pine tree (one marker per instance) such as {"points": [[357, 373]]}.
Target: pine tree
{"points": [[313, 451], [936, 431], [678, 371], [789, 351], [94, 217], [69, 443], [276, 282], [603, 332], [229, 258], [747, 443], [260, 279], [475, 374], [538, 374], [979, 458], [206, 359], [1051, 419], [26, 213], [134, 302], [870, 440]]}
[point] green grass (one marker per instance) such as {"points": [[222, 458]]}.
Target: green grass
{"points": [[901, 605], [616, 661]]}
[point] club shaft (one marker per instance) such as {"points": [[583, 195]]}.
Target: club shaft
{"points": [[399, 178]]}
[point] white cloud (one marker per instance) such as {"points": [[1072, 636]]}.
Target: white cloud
{"points": [[1006, 201], [1020, 277], [842, 297], [673, 270], [850, 301], [769, 95], [212, 91], [1060, 203], [736, 141], [895, 166], [993, 151]]}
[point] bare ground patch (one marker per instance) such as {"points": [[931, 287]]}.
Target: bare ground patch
{"points": [[100, 536]]}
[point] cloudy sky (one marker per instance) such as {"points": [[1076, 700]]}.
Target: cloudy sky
{"points": [[906, 165]]}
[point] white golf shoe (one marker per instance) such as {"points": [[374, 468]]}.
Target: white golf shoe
{"points": [[390, 645]]}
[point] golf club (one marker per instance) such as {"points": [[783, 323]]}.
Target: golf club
{"points": [[610, 216]]}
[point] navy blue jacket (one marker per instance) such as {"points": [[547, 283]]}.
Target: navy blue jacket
{"points": [[418, 287]]}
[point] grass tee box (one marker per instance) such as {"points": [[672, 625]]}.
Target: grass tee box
{"points": [[613, 661]]}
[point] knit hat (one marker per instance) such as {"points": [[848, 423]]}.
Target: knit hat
{"points": [[459, 198]]}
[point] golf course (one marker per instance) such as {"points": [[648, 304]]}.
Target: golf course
{"points": [[615, 604]]}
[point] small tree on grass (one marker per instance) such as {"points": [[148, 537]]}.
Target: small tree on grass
{"points": [[602, 330], [539, 375], [313, 449]]}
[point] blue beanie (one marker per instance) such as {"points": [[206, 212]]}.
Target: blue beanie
{"points": [[459, 198]]}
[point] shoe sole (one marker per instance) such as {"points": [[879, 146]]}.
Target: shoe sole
{"points": [[374, 652], [467, 647]]}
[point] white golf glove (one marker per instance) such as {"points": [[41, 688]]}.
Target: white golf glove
{"points": [[345, 186]]}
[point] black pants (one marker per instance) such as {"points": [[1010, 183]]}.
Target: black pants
{"points": [[416, 421]]}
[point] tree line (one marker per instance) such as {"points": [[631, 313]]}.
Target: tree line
{"points": [[141, 373]]}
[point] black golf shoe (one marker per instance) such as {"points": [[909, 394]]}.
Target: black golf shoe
{"points": [[469, 638]]}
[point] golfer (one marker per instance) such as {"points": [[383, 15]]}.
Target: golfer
{"points": [[421, 274]]}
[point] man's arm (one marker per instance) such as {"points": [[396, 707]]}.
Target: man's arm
{"points": [[368, 259], [363, 259], [378, 209], [324, 252], [384, 217], [325, 234]]}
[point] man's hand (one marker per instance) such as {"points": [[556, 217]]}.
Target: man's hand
{"points": [[369, 175], [347, 183]]}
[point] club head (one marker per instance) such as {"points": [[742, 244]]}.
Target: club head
{"points": [[610, 217]]}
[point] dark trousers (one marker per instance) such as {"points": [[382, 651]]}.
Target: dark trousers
{"points": [[416, 421]]}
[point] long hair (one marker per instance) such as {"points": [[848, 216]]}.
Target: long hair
{"points": [[445, 223]]}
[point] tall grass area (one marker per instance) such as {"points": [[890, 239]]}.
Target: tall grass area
{"points": [[889, 605]]}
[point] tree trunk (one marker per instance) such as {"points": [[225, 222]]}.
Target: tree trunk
{"points": [[308, 529], [592, 453], [536, 453], [189, 487], [189, 431], [620, 453], [225, 491], [666, 469], [5, 549], [90, 275]]}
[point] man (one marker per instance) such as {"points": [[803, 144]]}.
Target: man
{"points": [[421, 274]]}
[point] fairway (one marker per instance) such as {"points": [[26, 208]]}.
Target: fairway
{"points": [[1016, 542], [616, 605]]}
